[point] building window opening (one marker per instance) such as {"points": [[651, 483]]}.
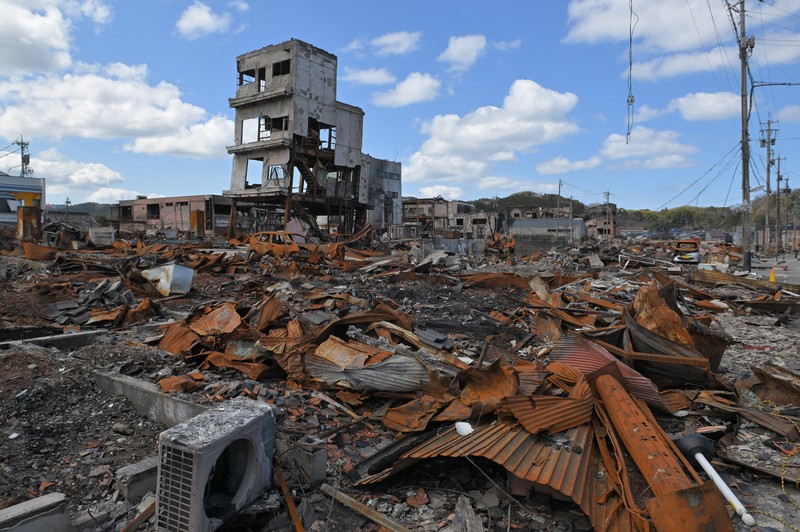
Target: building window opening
{"points": [[262, 79], [255, 167], [153, 211], [251, 130], [281, 68], [280, 123], [246, 77], [327, 137], [276, 173], [264, 128]]}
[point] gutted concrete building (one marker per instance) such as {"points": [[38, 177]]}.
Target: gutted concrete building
{"points": [[601, 220], [295, 146], [200, 215], [385, 193]]}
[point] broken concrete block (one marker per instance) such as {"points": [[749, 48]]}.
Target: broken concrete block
{"points": [[134, 481], [595, 262], [311, 465]]}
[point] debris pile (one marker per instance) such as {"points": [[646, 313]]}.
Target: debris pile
{"points": [[445, 392]]}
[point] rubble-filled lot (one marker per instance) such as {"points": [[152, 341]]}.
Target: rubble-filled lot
{"points": [[442, 392]]}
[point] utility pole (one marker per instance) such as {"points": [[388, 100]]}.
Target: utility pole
{"points": [[607, 194], [25, 157], [745, 48], [558, 212], [571, 237], [778, 228], [794, 226], [769, 142]]}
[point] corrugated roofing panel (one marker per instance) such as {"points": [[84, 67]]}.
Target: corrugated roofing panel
{"points": [[550, 413], [587, 356], [567, 462]]}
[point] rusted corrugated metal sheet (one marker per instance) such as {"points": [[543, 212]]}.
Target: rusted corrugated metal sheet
{"points": [[178, 340], [588, 357], [550, 413], [415, 415], [649, 342], [34, 251], [351, 365], [568, 463], [674, 400], [222, 320], [530, 380], [253, 370], [488, 386]]}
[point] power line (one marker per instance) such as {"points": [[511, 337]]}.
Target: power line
{"points": [[693, 183], [15, 150]]}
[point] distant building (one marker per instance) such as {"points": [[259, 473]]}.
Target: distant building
{"points": [[477, 224], [536, 213], [432, 215], [601, 220], [200, 215], [550, 228], [19, 192], [385, 191]]}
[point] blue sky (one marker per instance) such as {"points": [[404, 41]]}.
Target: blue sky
{"points": [[119, 98]]}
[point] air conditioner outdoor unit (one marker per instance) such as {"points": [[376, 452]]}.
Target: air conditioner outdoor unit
{"points": [[213, 465]]}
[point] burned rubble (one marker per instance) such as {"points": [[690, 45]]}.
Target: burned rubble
{"points": [[410, 391]]}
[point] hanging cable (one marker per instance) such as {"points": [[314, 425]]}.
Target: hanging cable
{"points": [[9, 152], [631, 26], [693, 183]]}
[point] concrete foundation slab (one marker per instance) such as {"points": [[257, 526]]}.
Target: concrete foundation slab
{"points": [[148, 399], [48, 512]]}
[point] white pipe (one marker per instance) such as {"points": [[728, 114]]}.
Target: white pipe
{"points": [[725, 490]]}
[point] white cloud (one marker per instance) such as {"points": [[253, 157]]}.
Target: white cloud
{"points": [[507, 45], [790, 113], [111, 195], [240, 5], [463, 51], [670, 66], [645, 113], [660, 26], [562, 165], [71, 178], [35, 34], [355, 45], [397, 43], [415, 88], [492, 182], [671, 38], [95, 10], [465, 148], [33, 40], [448, 193], [368, 76], [648, 148], [198, 20], [109, 102], [204, 140], [697, 106]]}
